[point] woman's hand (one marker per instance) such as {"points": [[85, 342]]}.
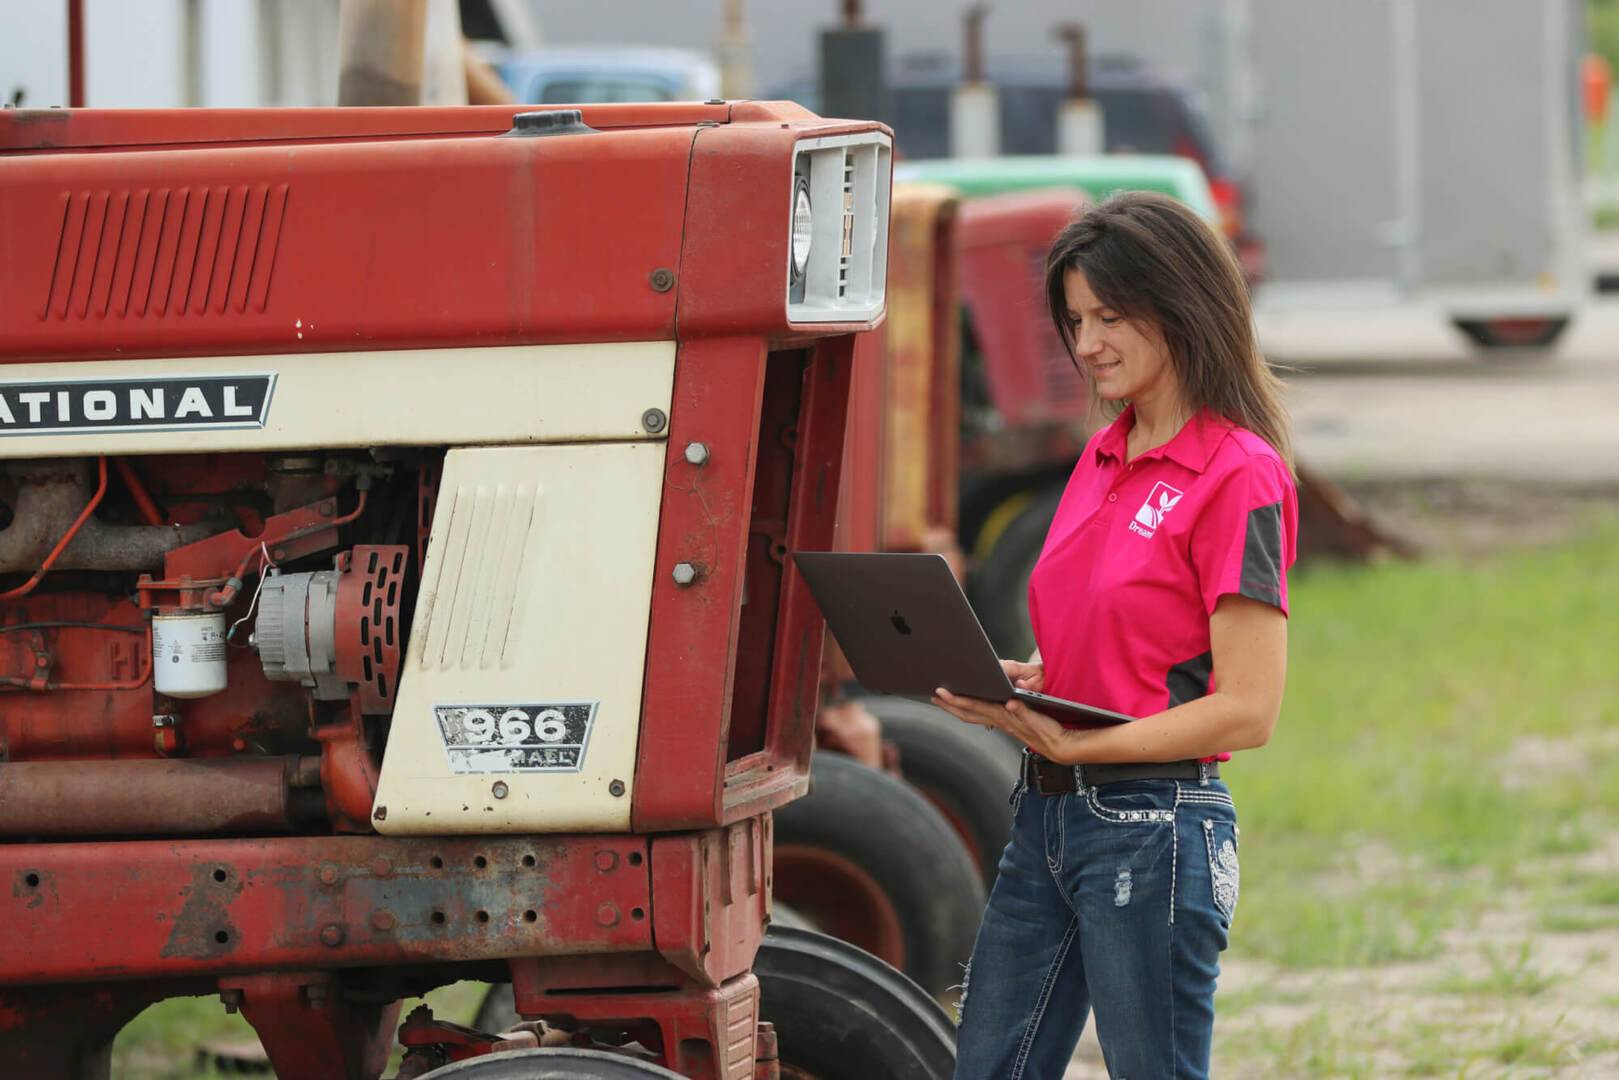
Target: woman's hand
{"points": [[1032, 728], [1025, 676]]}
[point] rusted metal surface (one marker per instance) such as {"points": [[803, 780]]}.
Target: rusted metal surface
{"points": [[921, 413], [973, 48], [50, 495], [309, 1030], [57, 1032], [56, 655], [707, 1034], [348, 773], [75, 54], [96, 640], [691, 642], [713, 896], [1072, 34], [1001, 243], [731, 688], [296, 932], [1333, 524], [146, 798], [83, 912]]}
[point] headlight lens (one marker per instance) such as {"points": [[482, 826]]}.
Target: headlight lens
{"points": [[803, 229]]}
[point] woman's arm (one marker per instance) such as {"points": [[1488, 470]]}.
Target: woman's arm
{"points": [[1248, 639]]}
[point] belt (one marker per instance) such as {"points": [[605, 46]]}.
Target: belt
{"points": [[1050, 778]]}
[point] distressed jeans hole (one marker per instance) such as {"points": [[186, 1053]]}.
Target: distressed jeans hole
{"points": [[1121, 887]]}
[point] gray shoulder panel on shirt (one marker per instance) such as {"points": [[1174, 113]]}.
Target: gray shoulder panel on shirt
{"points": [[1262, 555]]}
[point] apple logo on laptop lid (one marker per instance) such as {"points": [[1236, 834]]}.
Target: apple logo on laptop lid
{"points": [[899, 623]]}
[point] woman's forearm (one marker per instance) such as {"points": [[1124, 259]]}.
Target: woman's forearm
{"points": [[1210, 725]]}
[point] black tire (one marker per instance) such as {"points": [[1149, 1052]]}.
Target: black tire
{"points": [[562, 1063], [967, 772], [1527, 343], [999, 587], [843, 1014], [866, 857]]}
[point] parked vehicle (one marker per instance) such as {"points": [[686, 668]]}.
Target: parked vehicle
{"points": [[572, 75], [1144, 113], [391, 589], [1098, 176], [1424, 153]]}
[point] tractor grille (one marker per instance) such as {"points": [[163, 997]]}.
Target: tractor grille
{"points": [[165, 251]]}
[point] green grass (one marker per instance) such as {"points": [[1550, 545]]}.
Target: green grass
{"points": [[1509, 973], [1408, 686], [1313, 1048]]}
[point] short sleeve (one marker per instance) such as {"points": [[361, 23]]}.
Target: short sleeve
{"points": [[1246, 535]]}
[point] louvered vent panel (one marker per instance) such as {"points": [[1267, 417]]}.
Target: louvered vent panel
{"points": [[474, 594], [741, 1027], [165, 251]]}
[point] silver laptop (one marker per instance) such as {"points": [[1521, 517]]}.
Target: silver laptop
{"points": [[907, 628]]}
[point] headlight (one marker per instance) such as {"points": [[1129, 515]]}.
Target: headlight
{"points": [[837, 262], [803, 229]]}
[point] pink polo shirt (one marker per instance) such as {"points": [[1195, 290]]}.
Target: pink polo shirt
{"points": [[1139, 554]]}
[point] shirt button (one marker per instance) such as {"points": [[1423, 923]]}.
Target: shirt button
{"points": [[1113, 496]]}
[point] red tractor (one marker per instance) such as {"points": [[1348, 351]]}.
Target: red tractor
{"points": [[394, 520]]}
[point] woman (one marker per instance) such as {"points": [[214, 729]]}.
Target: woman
{"points": [[1161, 593]]}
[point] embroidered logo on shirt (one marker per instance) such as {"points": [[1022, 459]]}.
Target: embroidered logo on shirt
{"points": [[1151, 515]]}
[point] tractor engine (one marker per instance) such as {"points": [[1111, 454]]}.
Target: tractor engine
{"points": [[203, 644]]}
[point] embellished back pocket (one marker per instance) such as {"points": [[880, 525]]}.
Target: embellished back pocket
{"points": [[1224, 872]]}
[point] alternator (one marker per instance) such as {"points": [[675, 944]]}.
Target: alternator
{"points": [[336, 631]]}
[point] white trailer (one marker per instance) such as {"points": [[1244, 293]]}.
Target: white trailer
{"points": [[1415, 151]]}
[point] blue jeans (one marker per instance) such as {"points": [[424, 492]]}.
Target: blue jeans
{"points": [[1116, 898]]}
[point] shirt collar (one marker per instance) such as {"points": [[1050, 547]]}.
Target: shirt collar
{"points": [[1193, 446]]}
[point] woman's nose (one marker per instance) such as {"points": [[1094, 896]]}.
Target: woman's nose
{"points": [[1088, 343]]}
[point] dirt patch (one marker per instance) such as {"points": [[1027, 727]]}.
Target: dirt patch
{"points": [[1504, 997], [1472, 518]]}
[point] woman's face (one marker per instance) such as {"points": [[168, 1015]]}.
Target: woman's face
{"points": [[1127, 358]]}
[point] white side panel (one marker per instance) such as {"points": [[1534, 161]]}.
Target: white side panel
{"points": [[532, 613], [402, 397]]}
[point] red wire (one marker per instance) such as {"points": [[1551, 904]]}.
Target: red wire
{"points": [[137, 491], [223, 597], [50, 560]]}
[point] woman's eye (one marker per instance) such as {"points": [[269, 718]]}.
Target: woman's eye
{"points": [[1110, 320]]}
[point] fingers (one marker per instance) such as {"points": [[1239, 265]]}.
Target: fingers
{"points": [[970, 710]]}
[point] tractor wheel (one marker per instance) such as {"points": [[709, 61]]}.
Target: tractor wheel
{"points": [[866, 858], [999, 588], [842, 1014], [967, 772], [562, 1063]]}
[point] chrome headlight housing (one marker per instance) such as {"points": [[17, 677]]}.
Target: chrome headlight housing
{"points": [[838, 251]]}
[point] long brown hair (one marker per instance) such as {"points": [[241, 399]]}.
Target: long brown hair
{"points": [[1150, 258]]}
